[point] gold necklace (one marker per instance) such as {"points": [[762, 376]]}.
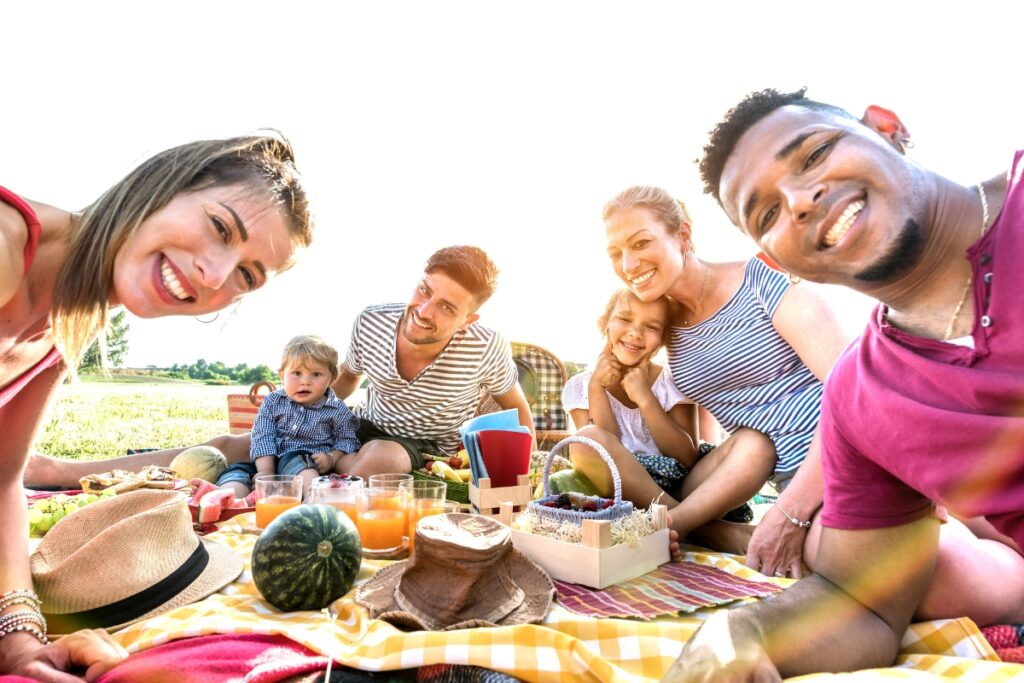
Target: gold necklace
{"points": [[967, 285], [700, 295]]}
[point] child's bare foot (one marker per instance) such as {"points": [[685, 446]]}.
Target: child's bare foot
{"points": [[673, 546]]}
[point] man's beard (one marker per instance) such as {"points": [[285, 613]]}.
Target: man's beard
{"points": [[408, 322], [899, 259]]}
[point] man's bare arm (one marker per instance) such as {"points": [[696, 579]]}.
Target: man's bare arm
{"points": [[850, 615]]}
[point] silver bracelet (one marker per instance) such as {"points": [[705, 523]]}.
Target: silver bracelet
{"points": [[24, 596], [31, 628], [800, 523], [21, 617]]}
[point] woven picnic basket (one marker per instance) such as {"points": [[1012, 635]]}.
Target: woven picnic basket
{"points": [[456, 491], [242, 408], [619, 508]]}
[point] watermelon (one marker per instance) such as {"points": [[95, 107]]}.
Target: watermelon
{"points": [[566, 481], [213, 503], [306, 558]]}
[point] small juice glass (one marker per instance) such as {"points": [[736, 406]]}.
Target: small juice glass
{"points": [[339, 491], [417, 490], [380, 518], [390, 480], [275, 493], [425, 507]]}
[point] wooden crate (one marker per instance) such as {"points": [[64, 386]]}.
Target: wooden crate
{"points": [[485, 500], [595, 562]]}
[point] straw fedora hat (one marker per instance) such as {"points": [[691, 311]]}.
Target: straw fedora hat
{"points": [[125, 559], [464, 573]]}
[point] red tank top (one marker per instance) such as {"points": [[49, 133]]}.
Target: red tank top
{"points": [[34, 229]]}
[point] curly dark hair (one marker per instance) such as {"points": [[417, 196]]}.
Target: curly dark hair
{"points": [[723, 137]]}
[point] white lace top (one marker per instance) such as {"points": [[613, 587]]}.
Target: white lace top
{"points": [[633, 431]]}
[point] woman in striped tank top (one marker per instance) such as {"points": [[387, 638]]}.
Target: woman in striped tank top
{"points": [[753, 348]]}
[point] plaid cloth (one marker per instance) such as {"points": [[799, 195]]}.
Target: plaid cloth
{"points": [[541, 376], [670, 589], [565, 647]]}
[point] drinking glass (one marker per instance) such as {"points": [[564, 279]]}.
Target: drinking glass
{"points": [[389, 480], [275, 493], [341, 493], [380, 518], [420, 498]]}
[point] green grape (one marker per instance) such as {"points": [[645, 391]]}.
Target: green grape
{"points": [[69, 507], [45, 523], [35, 515], [90, 497]]}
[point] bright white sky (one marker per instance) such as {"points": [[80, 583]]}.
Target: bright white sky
{"points": [[506, 125]]}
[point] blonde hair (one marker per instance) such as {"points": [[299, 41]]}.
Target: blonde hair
{"points": [[80, 298], [667, 210], [305, 348], [671, 309]]}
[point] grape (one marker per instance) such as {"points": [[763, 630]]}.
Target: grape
{"points": [[44, 524], [47, 512]]}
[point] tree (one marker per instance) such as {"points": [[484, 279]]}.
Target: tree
{"points": [[117, 344]]}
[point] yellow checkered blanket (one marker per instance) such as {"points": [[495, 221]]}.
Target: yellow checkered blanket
{"points": [[564, 647]]}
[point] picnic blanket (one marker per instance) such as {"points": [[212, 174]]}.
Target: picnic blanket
{"points": [[670, 589], [565, 647]]}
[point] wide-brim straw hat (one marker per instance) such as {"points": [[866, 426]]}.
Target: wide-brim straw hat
{"points": [[465, 573], [124, 559]]}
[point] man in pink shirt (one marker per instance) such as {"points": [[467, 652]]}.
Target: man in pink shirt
{"points": [[925, 412]]}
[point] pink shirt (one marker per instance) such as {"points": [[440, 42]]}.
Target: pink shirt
{"points": [[53, 357], [907, 422]]}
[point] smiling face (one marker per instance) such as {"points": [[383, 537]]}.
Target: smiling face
{"points": [[201, 252], [306, 381], [645, 255], [827, 197], [635, 328], [440, 306]]}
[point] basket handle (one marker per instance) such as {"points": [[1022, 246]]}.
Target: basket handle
{"points": [[254, 391], [564, 443]]}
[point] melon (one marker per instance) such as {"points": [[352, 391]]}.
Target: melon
{"points": [[567, 481], [306, 558], [199, 462], [212, 504]]}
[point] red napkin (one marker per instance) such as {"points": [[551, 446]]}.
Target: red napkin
{"points": [[506, 454]]}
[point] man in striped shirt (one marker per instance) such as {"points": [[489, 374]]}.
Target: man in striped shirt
{"points": [[429, 363]]}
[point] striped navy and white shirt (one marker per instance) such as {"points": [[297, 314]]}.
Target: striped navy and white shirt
{"points": [[283, 425], [738, 367], [445, 394]]}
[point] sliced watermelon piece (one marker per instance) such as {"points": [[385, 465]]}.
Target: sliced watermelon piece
{"points": [[213, 503], [250, 500], [200, 487]]}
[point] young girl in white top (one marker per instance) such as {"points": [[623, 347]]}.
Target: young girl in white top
{"points": [[634, 399]]}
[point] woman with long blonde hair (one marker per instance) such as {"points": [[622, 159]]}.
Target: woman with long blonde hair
{"points": [[188, 232]]}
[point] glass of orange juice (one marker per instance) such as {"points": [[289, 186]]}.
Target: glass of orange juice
{"points": [[380, 518], [389, 480], [422, 499], [337, 490], [275, 493]]}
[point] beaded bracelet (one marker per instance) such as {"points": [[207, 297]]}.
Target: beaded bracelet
{"points": [[800, 523], [25, 596], [22, 616], [30, 628]]}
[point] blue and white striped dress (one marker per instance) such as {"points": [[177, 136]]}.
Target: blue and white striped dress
{"points": [[738, 367]]}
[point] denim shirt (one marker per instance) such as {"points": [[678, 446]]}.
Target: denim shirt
{"points": [[283, 425]]}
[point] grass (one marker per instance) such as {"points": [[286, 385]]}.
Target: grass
{"points": [[94, 420]]}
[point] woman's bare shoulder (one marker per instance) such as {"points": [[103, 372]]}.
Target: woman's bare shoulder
{"points": [[13, 238]]}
